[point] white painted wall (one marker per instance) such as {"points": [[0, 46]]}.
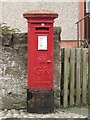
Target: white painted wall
{"points": [[0, 12], [12, 14]]}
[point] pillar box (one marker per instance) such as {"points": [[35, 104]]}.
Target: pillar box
{"points": [[40, 61]]}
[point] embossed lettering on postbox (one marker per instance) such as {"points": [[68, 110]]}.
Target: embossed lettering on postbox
{"points": [[41, 70], [42, 58]]}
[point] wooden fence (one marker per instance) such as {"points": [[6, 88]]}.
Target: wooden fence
{"points": [[75, 76]]}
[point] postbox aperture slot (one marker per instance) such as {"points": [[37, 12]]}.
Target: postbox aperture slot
{"points": [[42, 42], [42, 28]]}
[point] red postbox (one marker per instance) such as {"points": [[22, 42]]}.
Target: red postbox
{"points": [[40, 54]]}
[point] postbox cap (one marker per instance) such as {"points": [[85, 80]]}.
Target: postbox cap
{"points": [[40, 13]]}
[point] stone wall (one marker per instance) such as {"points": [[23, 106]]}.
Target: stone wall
{"points": [[13, 67]]}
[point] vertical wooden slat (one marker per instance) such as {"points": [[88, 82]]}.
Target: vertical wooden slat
{"points": [[84, 75], [60, 74], [89, 78], [72, 76], [78, 83], [62, 77], [66, 65]]}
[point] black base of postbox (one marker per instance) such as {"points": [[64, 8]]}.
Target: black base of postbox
{"points": [[40, 101]]}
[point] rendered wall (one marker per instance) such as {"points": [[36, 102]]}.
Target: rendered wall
{"points": [[12, 14]]}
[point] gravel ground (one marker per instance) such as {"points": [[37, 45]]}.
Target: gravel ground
{"points": [[23, 114]]}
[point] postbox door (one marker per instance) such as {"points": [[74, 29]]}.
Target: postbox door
{"points": [[41, 59]]}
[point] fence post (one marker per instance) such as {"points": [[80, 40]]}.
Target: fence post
{"points": [[84, 75], [72, 76], [89, 78], [78, 82], [60, 75], [66, 63]]}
